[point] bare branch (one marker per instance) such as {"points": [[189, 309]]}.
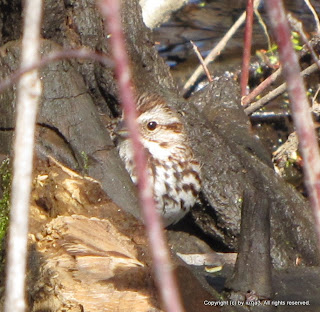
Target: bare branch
{"points": [[315, 15], [297, 26], [29, 91], [262, 86], [217, 49], [204, 66], [276, 92], [162, 266], [247, 48], [263, 26], [299, 105]]}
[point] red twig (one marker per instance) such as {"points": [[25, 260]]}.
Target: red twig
{"points": [[262, 86], [247, 48], [217, 49], [276, 92], [163, 269], [299, 105]]}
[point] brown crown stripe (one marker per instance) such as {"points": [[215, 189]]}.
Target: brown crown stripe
{"points": [[176, 127], [148, 101]]}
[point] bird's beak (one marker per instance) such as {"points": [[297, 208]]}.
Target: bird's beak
{"points": [[121, 130]]}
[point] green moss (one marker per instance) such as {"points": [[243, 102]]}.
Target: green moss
{"points": [[5, 185], [85, 159]]}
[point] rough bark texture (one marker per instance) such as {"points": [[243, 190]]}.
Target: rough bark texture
{"points": [[69, 126], [253, 269], [234, 161]]}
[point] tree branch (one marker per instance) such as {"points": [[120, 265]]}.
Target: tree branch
{"points": [[161, 260], [29, 91], [299, 104]]}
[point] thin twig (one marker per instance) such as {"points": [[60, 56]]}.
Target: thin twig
{"points": [[217, 49], [204, 66], [262, 86], [315, 15], [247, 48], [276, 92], [161, 260], [29, 91], [314, 98], [299, 105], [263, 25], [297, 26], [82, 53]]}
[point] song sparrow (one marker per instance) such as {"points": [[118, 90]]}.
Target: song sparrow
{"points": [[174, 172]]}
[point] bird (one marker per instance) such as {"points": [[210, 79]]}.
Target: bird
{"points": [[173, 170]]}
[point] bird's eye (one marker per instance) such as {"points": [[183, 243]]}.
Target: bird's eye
{"points": [[152, 125]]}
